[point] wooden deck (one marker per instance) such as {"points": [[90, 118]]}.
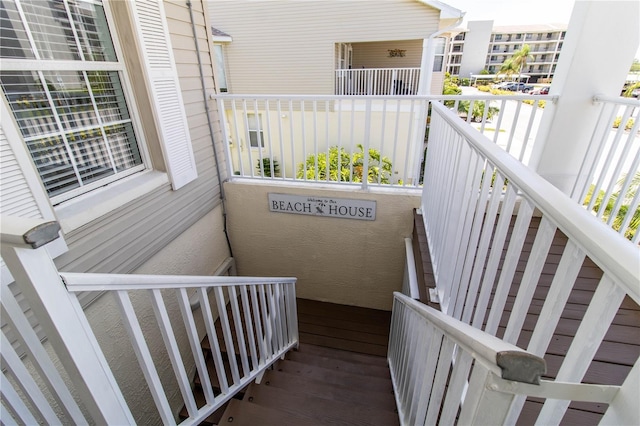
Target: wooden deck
{"points": [[617, 353], [348, 328]]}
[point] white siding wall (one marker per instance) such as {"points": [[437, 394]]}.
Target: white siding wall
{"points": [[376, 55], [287, 47]]}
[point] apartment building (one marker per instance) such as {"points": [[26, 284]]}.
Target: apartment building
{"points": [[484, 47]]}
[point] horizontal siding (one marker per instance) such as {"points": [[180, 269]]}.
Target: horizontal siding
{"points": [[376, 55], [283, 47], [122, 240]]}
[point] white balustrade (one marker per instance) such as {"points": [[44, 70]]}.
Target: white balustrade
{"points": [[609, 180], [478, 203], [289, 138], [257, 318], [377, 81]]}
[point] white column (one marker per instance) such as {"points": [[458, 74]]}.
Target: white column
{"points": [[601, 42], [426, 67]]}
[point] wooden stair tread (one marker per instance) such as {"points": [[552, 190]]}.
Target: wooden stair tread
{"points": [[213, 418], [242, 413], [338, 364], [347, 380], [284, 380], [343, 344], [344, 355], [320, 409]]}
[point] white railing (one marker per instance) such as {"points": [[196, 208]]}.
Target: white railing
{"points": [[257, 324], [609, 180], [431, 356], [377, 81], [410, 285], [478, 203], [291, 137]]}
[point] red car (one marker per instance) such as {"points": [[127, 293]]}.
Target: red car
{"points": [[541, 91]]}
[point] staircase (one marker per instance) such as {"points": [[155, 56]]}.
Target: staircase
{"points": [[317, 384]]}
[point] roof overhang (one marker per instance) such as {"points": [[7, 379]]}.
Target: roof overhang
{"points": [[446, 11]]}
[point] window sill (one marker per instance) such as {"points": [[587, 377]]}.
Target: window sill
{"points": [[79, 211]]}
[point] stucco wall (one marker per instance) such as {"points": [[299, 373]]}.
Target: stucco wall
{"points": [[337, 260], [198, 251]]}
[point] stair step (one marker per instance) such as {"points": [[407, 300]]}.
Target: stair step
{"points": [[338, 364], [213, 418], [354, 357], [213, 376], [324, 410], [287, 381], [348, 380], [343, 344], [242, 413]]}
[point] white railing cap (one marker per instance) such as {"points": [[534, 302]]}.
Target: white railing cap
{"points": [[100, 282], [511, 362], [34, 233]]}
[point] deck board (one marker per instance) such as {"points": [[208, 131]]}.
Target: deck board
{"points": [[616, 355], [349, 328]]}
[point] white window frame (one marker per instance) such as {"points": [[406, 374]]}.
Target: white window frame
{"points": [[39, 66], [254, 126]]}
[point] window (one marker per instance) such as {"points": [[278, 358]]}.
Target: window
{"points": [[221, 67], [62, 80], [438, 57], [498, 37], [256, 136]]}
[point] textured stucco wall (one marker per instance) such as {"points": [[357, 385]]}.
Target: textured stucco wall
{"points": [[198, 251], [342, 261]]}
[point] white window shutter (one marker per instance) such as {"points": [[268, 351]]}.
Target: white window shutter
{"points": [[153, 32], [21, 191], [22, 195]]}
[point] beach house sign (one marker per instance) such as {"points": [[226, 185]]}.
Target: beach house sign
{"points": [[323, 206]]}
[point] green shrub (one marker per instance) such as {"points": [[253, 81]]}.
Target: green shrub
{"points": [[484, 88], [267, 170], [343, 167], [478, 110], [618, 120], [541, 104]]}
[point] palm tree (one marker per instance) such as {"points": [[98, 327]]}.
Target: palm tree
{"points": [[508, 67], [521, 58]]}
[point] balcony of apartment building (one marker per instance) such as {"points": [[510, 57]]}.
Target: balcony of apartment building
{"points": [[501, 263], [379, 68]]}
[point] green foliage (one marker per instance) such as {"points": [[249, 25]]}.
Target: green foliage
{"points": [[483, 88], [624, 208], [541, 104], [477, 110], [618, 121], [635, 66], [484, 72], [343, 167], [267, 170], [629, 90]]}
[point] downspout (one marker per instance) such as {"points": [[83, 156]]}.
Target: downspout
{"points": [[205, 98], [426, 66]]}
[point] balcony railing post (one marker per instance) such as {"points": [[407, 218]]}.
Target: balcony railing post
{"points": [[61, 317], [367, 136]]}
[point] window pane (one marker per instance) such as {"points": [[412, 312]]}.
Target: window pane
{"points": [[109, 96], [123, 146], [93, 32], [71, 99], [15, 43], [51, 29], [29, 103], [90, 154], [54, 165]]}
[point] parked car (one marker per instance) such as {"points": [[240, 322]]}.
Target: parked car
{"points": [[541, 91], [503, 85], [519, 87]]}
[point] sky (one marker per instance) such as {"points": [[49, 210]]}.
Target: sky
{"points": [[512, 12]]}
